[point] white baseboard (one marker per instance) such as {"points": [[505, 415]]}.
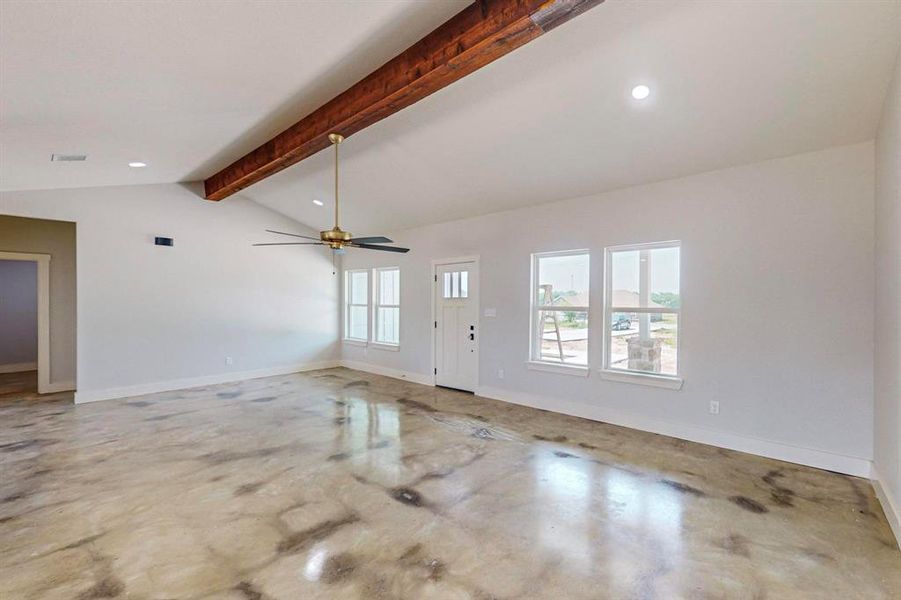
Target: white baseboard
{"points": [[889, 503], [19, 367], [394, 373], [58, 386], [821, 459], [190, 382]]}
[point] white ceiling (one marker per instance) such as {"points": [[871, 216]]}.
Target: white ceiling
{"points": [[184, 85], [732, 83]]}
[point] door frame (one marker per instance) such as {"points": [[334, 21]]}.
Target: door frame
{"points": [[43, 265], [474, 259]]}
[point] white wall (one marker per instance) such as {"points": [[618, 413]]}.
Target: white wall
{"points": [[887, 461], [18, 312], [151, 315], [777, 291]]}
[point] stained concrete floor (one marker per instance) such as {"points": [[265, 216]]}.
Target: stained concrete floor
{"points": [[340, 484]]}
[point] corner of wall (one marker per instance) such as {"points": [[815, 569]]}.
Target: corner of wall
{"points": [[889, 503]]}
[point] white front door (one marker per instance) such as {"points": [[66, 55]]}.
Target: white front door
{"points": [[457, 325]]}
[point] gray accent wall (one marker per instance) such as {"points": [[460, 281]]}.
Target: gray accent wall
{"points": [[18, 312], [56, 238]]}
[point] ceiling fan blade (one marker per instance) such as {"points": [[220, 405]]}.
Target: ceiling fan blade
{"points": [[292, 244], [385, 248], [372, 240], [306, 237]]}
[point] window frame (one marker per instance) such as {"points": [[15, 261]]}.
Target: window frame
{"points": [[376, 305], [348, 297], [632, 376], [535, 361]]}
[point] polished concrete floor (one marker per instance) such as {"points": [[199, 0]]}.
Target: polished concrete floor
{"points": [[340, 484]]}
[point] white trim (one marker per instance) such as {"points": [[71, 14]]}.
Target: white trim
{"points": [[376, 288], [383, 346], [43, 264], [536, 326], [561, 369], [388, 372], [24, 256], [812, 457], [59, 386], [889, 503], [178, 384], [18, 367], [645, 246], [661, 381], [345, 313], [475, 259], [609, 310], [354, 342]]}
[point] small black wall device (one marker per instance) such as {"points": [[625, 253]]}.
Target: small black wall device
{"points": [[163, 241]]}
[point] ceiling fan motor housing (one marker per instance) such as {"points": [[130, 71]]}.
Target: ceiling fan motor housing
{"points": [[336, 237]]}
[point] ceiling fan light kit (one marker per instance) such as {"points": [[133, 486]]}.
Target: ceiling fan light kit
{"points": [[336, 238]]}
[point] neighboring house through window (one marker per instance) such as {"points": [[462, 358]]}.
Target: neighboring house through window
{"points": [[641, 309], [560, 284]]}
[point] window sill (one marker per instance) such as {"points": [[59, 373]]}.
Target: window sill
{"points": [[661, 381], [558, 368], [351, 342], [389, 347]]}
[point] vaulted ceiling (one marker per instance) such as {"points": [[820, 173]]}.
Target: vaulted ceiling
{"points": [[189, 87]]}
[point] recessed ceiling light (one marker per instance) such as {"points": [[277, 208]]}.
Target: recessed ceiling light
{"points": [[318, 202], [640, 92], [137, 164]]}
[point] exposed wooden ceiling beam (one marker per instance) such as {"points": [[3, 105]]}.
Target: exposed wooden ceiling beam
{"points": [[479, 34]]}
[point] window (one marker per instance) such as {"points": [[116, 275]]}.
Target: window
{"points": [[387, 306], [456, 284], [356, 301], [560, 308], [641, 311]]}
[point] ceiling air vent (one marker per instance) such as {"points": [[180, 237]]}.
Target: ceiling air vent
{"points": [[68, 157]]}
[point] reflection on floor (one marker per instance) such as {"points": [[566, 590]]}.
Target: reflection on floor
{"points": [[340, 484]]}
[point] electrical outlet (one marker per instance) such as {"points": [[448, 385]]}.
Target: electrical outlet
{"points": [[500, 373], [714, 407], [229, 360]]}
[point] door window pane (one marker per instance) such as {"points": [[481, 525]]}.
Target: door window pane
{"points": [[456, 284]]}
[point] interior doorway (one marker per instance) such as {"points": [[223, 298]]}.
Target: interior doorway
{"points": [[455, 310], [23, 356]]}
